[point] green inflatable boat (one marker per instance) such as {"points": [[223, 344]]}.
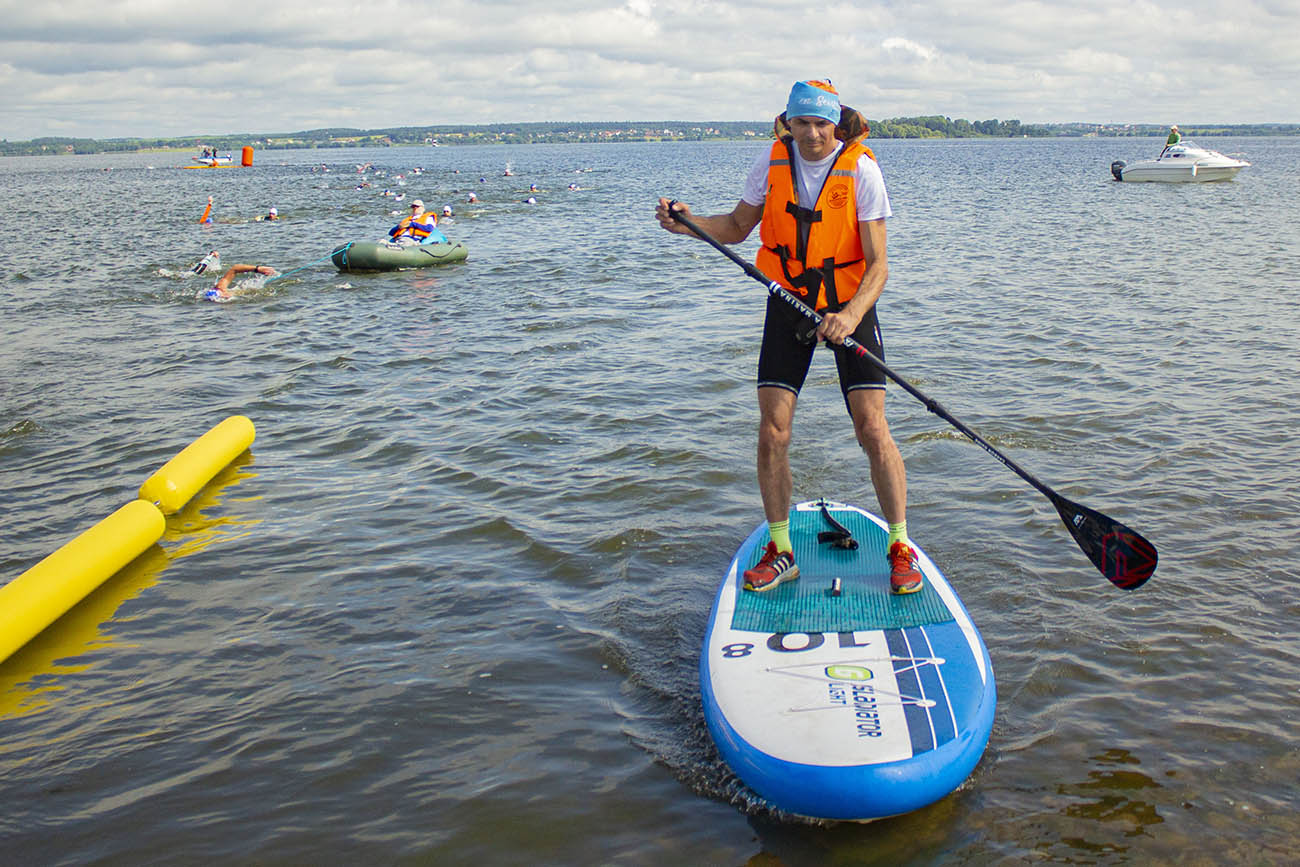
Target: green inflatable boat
{"points": [[383, 256]]}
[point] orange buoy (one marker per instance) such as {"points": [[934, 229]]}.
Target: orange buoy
{"points": [[247, 156]]}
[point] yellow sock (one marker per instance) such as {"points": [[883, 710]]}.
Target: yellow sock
{"points": [[780, 533], [898, 533]]}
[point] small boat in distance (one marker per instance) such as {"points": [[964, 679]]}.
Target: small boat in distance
{"points": [[1180, 163], [210, 157]]}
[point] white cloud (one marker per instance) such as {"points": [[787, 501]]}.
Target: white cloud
{"points": [[897, 45], [161, 67]]}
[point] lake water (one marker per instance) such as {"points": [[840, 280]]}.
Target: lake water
{"points": [[450, 608]]}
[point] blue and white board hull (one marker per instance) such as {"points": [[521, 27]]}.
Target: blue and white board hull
{"points": [[852, 707]]}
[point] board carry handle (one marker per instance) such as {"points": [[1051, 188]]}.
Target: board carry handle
{"points": [[839, 535], [1121, 554]]}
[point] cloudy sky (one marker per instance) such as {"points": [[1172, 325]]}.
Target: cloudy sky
{"points": [[116, 68]]}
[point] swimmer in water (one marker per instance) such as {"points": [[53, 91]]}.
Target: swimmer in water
{"points": [[220, 290], [213, 258]]}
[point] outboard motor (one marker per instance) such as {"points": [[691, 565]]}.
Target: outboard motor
{"points": [[1117, 169]]}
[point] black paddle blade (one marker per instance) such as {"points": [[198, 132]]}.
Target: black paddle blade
{"points": [[1123, 556]]}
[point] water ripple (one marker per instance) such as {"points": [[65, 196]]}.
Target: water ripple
{"points": [[451, 610]]}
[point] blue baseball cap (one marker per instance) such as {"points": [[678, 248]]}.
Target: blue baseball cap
{"points": [[813, 99]]}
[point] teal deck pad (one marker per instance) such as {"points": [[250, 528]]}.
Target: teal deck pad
{"points": [[865, 602]]}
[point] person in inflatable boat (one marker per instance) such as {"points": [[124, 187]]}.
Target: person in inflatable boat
{"points": [[421, 227]]}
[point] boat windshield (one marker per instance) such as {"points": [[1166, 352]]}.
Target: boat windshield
{"points": [[1183, 150]]}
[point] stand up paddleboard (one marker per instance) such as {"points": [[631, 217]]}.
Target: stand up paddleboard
{"points": [[856, 705]]}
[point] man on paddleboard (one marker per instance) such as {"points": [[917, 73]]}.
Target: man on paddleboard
{"points": [[830, 252]]}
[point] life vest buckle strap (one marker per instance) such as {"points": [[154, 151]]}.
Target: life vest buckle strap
{"points": [[802, 214], [828, 282], [805, 284]]}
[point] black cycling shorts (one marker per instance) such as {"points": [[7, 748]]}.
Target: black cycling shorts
{"points": [[784, 359]]}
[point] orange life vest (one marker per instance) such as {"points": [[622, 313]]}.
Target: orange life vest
{"points": [[814, 252], [419, 226]]}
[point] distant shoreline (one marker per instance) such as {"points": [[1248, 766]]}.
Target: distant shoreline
{"points": [[932, 126]]}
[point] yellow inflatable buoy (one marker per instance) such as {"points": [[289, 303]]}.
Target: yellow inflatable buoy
{"points": [[180, 478], [52, 587], [43, 593]]}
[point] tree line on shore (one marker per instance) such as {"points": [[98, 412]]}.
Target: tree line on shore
{"points": [[931, 126]]}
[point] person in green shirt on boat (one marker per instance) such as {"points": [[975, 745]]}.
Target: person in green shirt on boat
{"points": [[1174, 138]]}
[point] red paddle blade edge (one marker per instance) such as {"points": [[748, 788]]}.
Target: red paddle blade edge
{"points": [[1125, 557]]}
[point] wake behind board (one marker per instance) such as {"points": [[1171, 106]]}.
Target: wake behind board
{"points": [[856, 706]]}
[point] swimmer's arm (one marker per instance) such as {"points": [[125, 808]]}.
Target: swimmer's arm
{"points": [[253, 269]]}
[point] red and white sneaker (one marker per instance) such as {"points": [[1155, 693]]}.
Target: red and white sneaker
{"points": [[904, 576], [771, 570]]}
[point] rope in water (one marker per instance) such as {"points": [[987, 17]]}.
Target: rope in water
{"points": [[305, 267]]}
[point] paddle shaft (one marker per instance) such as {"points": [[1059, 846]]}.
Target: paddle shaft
{"points": [[1124, 557]]}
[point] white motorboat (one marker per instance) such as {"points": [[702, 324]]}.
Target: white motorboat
{"points": [[212, 158], [1180, 163]]}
